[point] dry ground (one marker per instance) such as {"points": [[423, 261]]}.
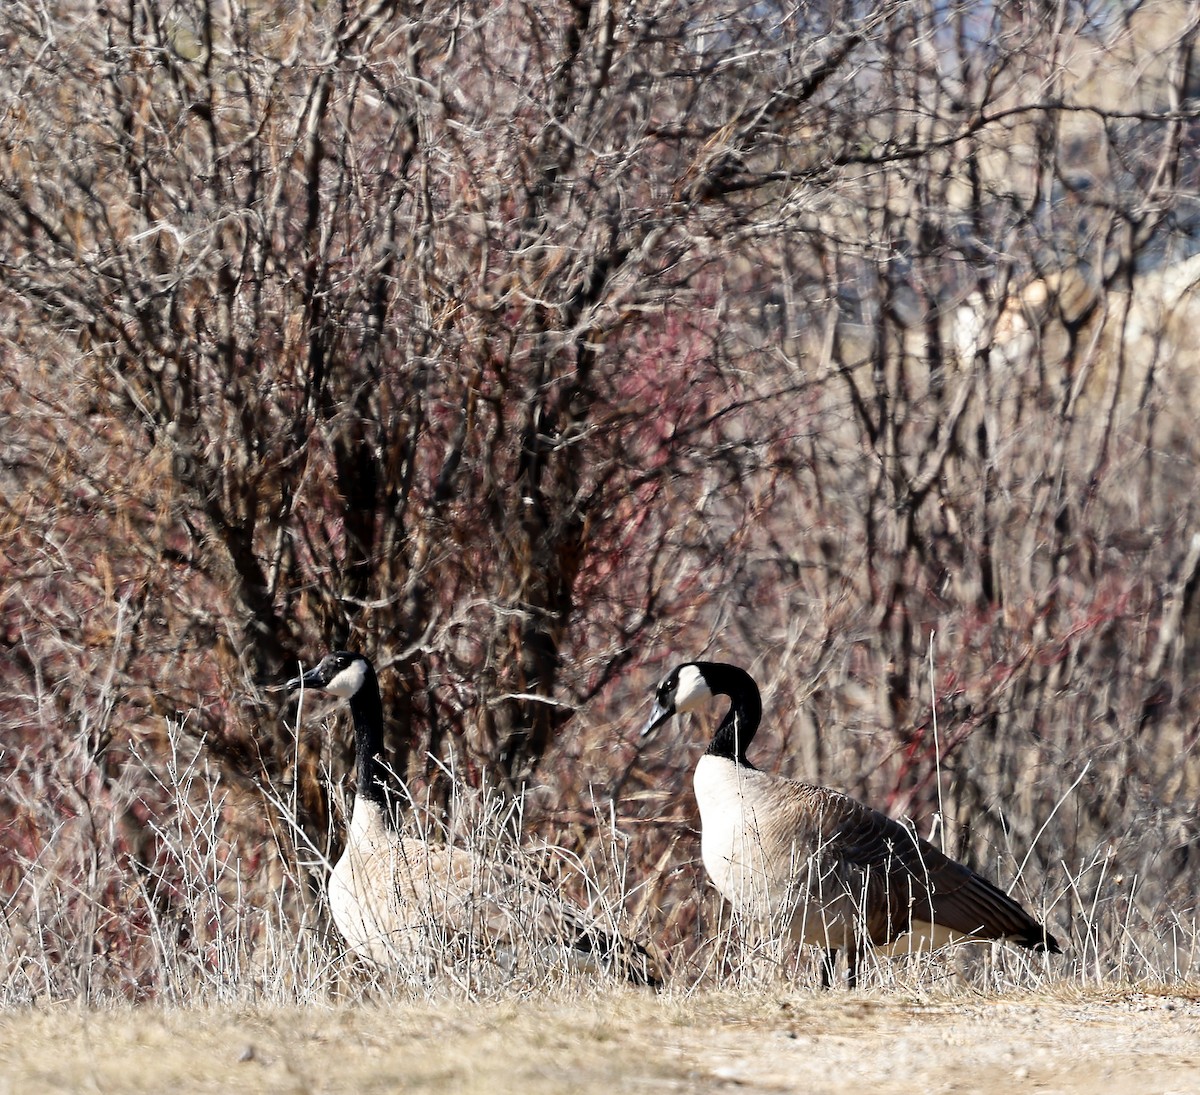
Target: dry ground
{"points": [[1115, 1043]]}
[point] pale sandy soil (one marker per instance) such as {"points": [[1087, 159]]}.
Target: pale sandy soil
{"points": [[1114, 1043]]}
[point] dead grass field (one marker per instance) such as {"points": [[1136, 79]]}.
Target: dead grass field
{"points": [[1119, 1043]]}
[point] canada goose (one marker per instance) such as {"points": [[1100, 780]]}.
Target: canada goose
{"points": [[387, 890], [833, 872]]}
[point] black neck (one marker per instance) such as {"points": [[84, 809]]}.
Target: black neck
{"points": [[366, 708], [741, 721]]}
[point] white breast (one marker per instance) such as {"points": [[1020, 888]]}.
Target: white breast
{"points": [[762, 857], [731, 841], [363, 900], [394, 897]]}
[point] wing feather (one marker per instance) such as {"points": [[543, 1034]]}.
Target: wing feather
{"points": [[902, 879]]}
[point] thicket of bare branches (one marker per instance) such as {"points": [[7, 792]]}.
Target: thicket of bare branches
{"points": [[532, 347]]}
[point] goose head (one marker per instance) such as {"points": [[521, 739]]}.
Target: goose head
{"points": [[340, 673], [683, 689]]}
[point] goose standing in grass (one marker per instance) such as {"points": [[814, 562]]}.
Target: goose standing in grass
{"points": [[832, 872], [390, 894]]}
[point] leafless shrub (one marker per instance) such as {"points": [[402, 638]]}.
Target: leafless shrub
{"points": [[530, 348]]}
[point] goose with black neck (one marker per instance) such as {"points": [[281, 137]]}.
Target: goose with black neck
{"points": [[392, 894], [813, 862]]}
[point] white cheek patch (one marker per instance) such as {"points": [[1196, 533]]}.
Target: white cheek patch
{"points": [[346, 683], [692, 689]]}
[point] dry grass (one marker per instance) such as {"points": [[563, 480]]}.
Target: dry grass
{"points": [[234, 996], [1066, 1040], [82, 924]]}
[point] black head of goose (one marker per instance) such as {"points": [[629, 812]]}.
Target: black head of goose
{"points": [[832, 872], [387, 890]]}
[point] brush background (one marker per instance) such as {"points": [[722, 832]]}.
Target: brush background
{"points": [[533, 348]]}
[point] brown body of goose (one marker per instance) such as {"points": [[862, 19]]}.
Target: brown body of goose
{"points": [[818, 864], [392, 895]]}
